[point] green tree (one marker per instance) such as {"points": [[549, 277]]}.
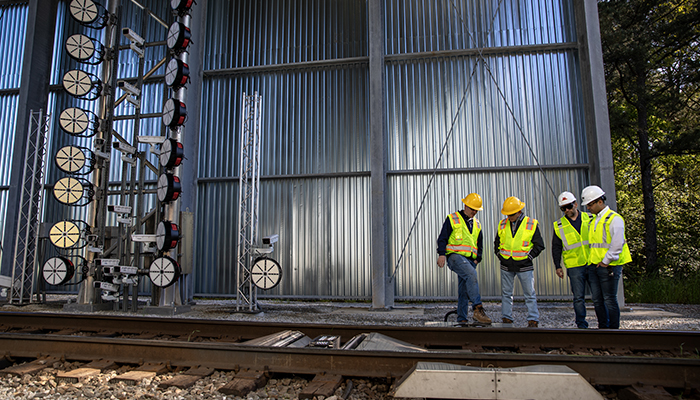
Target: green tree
{"points": [[652, 63]]}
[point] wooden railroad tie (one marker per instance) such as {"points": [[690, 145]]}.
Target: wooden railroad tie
{"points": [[31, 367], [244, 382], [322, 385], [187, 378], [145, 371]]}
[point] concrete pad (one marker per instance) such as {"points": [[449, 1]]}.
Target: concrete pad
{"points": [[648, 312], [394, 310]]}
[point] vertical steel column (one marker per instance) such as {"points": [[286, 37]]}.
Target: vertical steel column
{"points": [[595, 100], [595, 103], [170, 296], [31, 200], [382, 284], [188, 179], [97, 218], [33, 95], [248, 200]]}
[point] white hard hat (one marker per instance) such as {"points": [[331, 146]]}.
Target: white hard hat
{"points": [[591, 193], [566, 198]]}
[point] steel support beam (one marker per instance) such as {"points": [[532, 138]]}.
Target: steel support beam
{"points": [[595, 100], [382, 284], [33, 95], [595, 104], [188, 177]]}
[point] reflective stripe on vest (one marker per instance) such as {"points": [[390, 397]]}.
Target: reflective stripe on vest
{"points": [[574, 243], [599, 238], [462, 241], [518, 246]]}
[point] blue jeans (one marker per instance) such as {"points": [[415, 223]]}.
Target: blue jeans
{"points": [[467, 283], [527, 281], [604, 294], [578, 277]]}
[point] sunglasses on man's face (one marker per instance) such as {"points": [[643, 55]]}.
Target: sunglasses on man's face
{"points": [[567, 207]]}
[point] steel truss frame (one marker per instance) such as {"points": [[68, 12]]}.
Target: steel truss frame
{"points": [[248, 201], [31, 207]]}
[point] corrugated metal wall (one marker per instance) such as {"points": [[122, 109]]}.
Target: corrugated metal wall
{"points": [[499, 113], [504, 112], [13, 24], [494, 82]]}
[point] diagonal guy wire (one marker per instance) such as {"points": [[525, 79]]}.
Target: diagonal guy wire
{"points": [[481, 58]]}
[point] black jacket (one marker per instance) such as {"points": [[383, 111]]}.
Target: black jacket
{"points": [[446, 232], [521, 265]]}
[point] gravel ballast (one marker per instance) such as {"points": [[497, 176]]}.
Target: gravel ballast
{"points": [[44, 384]]}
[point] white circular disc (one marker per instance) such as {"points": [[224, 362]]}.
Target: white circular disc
{"points": [[55, 271], [68, 190], [173, 35], [266, 273], [70, 159], [80, 47], [171, 72], [84, 11], [160, 235], [77, 83], [168, 112], [163, 187], [165, 150], [163, 272], [74, 120], [64, 234]]}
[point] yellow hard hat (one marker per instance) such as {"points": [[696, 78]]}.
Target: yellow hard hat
{"points": [[473, 201], [512, 205]]}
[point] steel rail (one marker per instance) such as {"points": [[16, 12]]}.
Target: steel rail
{"points": [[680, 343], [667, 372]]}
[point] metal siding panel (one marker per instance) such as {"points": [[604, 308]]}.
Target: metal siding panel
{"points": [[507, 117], [417, 274], [322, 223], [414, 26], [8, 119], [314, 122], [13, 23], [280, 32]]}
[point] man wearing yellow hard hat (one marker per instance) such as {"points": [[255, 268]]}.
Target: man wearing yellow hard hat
{"points": [[517, 243], [460, 244]]}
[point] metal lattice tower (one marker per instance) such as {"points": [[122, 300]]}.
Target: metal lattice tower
{"points": [[248, 200], [31, 200]]}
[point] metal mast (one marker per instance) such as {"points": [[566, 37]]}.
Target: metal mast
{"points": [[248, 200], [31, 201]]}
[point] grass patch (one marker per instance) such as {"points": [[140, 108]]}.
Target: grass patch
{"points": [[667, 290]]}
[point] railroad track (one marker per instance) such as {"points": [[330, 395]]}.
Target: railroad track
{"points": [[663, 358]]}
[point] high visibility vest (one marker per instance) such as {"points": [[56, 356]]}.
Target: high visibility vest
{"points": [[461, 240], [599, 240], [516, 247], [574, 244]]}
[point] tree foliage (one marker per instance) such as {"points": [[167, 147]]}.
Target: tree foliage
{"points": [[652, 69]]}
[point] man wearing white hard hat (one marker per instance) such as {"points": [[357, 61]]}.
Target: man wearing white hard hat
{"points": [[570, 246], [608, 253]]}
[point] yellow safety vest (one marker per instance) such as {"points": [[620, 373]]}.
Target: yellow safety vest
{"points": [[461, 240], [518, 246], [575, 244], [599, 239]]}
